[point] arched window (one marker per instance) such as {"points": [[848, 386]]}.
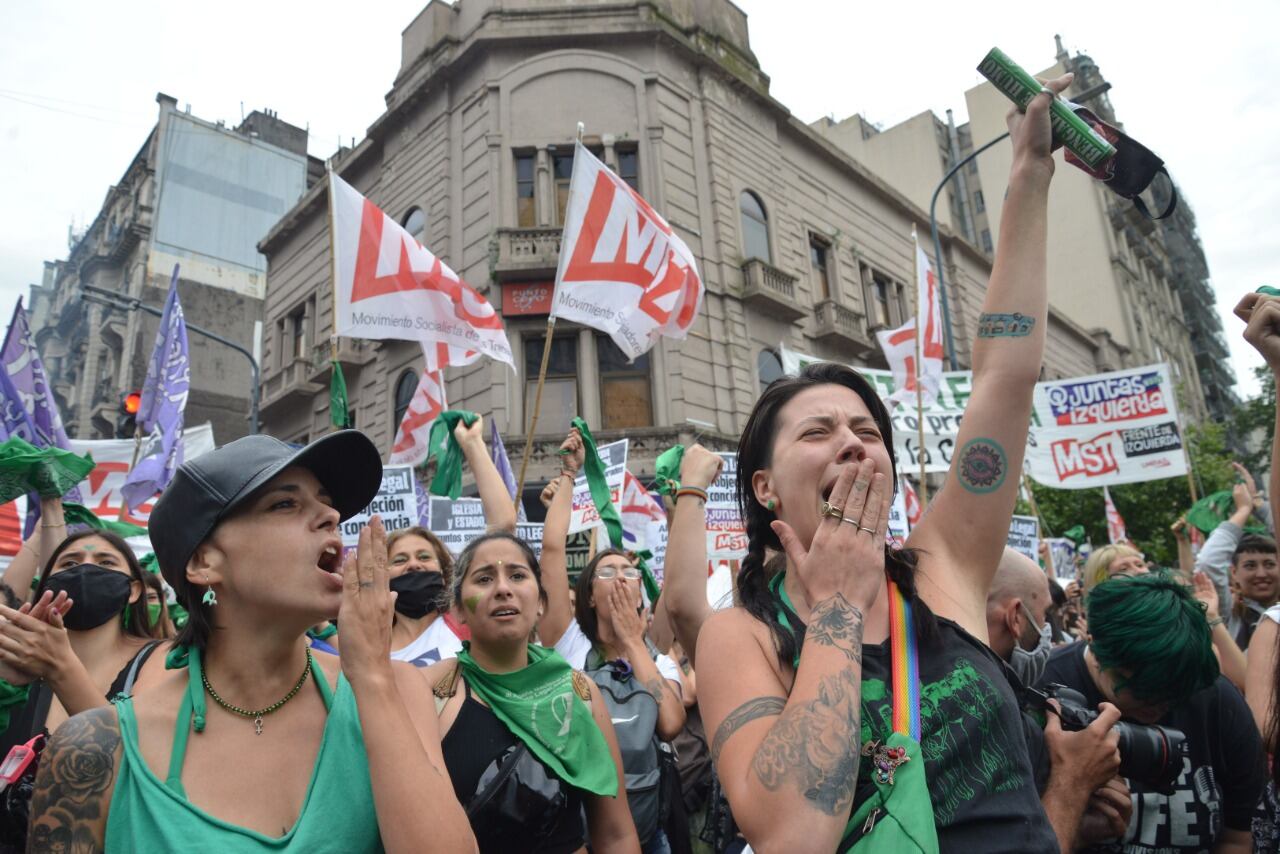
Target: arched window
{"points": [[769, 366], [405, 387], [415, 222], [755, 227]]}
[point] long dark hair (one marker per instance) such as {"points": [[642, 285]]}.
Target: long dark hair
{"points": [[583, 611], [755, 452], [137, 623], [464, 560]]}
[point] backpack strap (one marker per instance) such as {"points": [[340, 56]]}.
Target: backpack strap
{"points": [[446, 687]]}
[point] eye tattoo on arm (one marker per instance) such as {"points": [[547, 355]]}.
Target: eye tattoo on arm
{"points": [[999, 325], [76, 769], [981, 466]]}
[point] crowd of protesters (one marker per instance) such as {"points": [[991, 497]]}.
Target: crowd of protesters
{"points": [[946, 694]]}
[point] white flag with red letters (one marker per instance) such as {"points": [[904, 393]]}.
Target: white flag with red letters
{"points": [[622, 269], [1116, 532], [390, 286], [900, 345], [410, 445]]}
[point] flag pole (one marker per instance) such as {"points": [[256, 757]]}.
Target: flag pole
{"points": [[542, 378], [333, 275], [924, 484], [137, 448]]}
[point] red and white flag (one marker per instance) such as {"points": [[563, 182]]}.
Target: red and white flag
{"points": [[410, 445], [390, 286], [639, 508], [912, 501], [900, 348], [622, 269], [1116, 532]]}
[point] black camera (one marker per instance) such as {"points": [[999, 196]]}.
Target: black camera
{"points": [[1152, 755]]}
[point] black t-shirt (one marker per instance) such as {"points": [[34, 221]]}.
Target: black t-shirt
{"points": [[1220, 782], [973, 740]]}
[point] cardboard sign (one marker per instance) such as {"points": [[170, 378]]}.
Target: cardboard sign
{"points": [[726, 532], [1024, 536], [396, 502], [457, 523]]}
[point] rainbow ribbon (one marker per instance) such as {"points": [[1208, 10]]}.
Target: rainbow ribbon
{"points": [[905, 664]]}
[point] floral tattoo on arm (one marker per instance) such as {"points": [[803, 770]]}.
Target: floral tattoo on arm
{"points": [[981, 466], [76, 770]]}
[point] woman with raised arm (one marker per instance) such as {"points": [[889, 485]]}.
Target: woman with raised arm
{"points": [[825, 732], [527, 739], [684, 586], [422, 568], [250, 742]]}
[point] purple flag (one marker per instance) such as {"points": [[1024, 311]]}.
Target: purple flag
{"points": [[503, 463], [164, 399], [27, 407]]}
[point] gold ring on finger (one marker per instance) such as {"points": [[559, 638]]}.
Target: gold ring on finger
{"points": [[853, 522], [871, 531], [829, 509]]}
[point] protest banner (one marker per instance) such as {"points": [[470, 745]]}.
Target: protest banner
{"points": [[396, 502], [458, 522], [1024, 536], [585, 515], [1063, 552], [898, 527], [726, 532], [1085, 432]]}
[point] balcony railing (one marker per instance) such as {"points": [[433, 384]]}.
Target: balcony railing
{"points": [[525, 252], [841, 325], [771, 290], [352, 353], [291, 383]]}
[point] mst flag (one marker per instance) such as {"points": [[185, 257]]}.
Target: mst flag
{"points": [[389, 286], [901, 347], [164, 401], [410, 446], [622, 269]]}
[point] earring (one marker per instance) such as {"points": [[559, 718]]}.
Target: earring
{"points": [[209, 598], [769, 505]]}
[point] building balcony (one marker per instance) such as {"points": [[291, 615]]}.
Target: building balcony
{"points": [[525, 253], [291, 385], [840, 325], [352, 353], [770, 290]]}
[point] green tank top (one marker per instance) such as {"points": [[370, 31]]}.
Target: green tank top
{"points": [[148, 814]]}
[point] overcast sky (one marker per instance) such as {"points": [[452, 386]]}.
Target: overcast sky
{"points": [[78, 83]]}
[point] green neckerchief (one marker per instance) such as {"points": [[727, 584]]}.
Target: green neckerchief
{"points": [[1076, 535], [1214, 509], [150, 563], [539, 705], [49, 472], [339, 412], [442, 442], [594, 469], [903, 811], [651, 587], [77, 514], [667, 469], [11, 696]]}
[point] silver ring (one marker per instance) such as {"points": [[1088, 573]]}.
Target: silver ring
{"points": [[853, 522], [1045, 90], [871, 531]]}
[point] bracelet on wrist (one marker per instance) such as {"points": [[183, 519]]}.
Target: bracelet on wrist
{"points": [[1217, 621], [700, 494]]}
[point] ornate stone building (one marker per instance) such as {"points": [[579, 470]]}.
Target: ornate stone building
{"points": [[799, 244]]}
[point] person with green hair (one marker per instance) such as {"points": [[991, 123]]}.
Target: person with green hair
{"points": [[1149, 652]]}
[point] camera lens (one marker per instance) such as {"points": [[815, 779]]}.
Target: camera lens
{"points": [[1152, 755]]}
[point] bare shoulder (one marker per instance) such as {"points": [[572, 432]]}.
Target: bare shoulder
{"points": [[73, 786], [726, 631]]}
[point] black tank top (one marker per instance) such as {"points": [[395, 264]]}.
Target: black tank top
{"points": [[478, 738]]}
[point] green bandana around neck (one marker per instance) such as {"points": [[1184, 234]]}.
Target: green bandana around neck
{"points": [[599, 486], [539, 705], [448, 479]]}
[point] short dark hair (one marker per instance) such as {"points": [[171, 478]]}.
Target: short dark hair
{"points": [[1253, 544], [137, 624], [583, 611]]}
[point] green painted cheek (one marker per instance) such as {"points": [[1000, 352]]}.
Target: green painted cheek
{"points": [[472, 602]]}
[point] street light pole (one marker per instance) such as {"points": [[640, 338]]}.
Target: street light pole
{"points": [[127, 303]]}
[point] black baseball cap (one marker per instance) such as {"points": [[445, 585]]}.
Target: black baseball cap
{"points": [[205, 490]]}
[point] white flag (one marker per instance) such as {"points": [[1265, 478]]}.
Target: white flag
{"points": [[390, 286], [1116, 532], [901, 348], [622, 269]]}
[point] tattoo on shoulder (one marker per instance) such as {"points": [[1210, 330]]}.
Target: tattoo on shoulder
{"points": [[999, 325], [981, 466], [813, 747], [836, 623], [758, 707], [76, 770]]}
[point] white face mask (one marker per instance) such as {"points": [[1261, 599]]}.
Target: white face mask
{"points": [[1030, 665]]}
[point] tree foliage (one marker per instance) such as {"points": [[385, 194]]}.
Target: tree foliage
{"points": [[1254, 423], [1148, 509]]}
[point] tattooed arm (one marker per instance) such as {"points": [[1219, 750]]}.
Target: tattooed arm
{"points": [[962, 537], [788, 764], [74, 785]]}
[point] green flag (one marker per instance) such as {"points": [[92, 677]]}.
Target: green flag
{"points": [[77, 514], [444, 446], [594, 467], [339, 413]]}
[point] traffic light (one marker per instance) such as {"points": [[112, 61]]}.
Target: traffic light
{"points": [[127, 421]]}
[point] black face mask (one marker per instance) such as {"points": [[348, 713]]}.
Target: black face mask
{"points": [[97, 593], [419, 593], [1131, 170]]}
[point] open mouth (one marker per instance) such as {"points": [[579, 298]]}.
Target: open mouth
{"points": [[330, 562], [504, 613]]}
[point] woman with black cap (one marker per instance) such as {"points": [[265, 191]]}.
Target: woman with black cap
{"points": [[250, 743]]}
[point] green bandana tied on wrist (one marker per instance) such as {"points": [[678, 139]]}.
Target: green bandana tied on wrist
{"points": [[76, 514], [540, 707], [667, 467], [448, 479], [593, 466], [49, 472]]}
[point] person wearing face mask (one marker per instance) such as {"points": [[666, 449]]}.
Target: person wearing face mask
{"points": [[249, 742], [527, 739], [421, 567], [157, 607]]}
